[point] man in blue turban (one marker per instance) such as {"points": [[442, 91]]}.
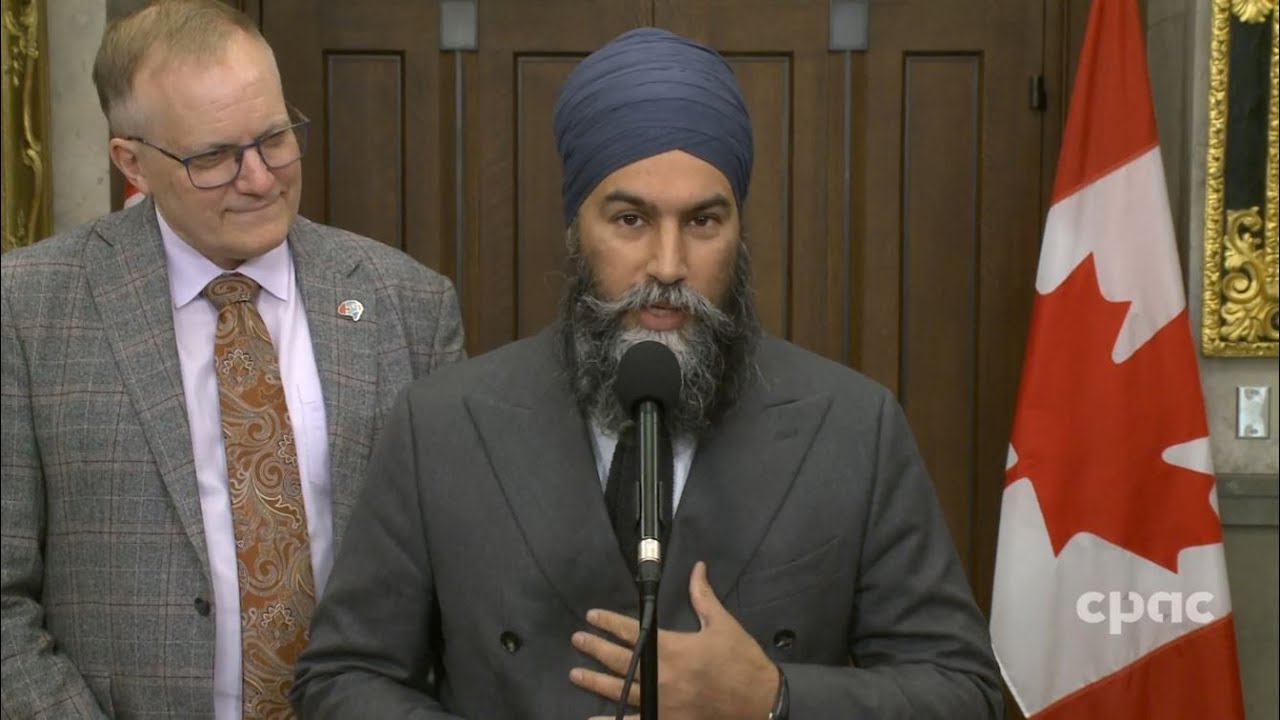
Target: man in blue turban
{"points": [[807, 568]]}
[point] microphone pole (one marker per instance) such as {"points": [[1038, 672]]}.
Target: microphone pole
{"points": [[649, 552], [648, 384]]}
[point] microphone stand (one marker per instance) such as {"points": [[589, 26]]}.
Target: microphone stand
{"points": [[649, 552], [648, 380]]}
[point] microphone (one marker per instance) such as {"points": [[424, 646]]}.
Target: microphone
{"points": [[647, 386]]}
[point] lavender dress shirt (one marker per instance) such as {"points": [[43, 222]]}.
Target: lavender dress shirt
{"points": [[194, 319]]}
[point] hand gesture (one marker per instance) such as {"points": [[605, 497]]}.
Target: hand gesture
{"points": [[718, 672]]}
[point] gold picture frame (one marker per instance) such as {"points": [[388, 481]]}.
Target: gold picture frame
{"points": [[1241, 253], [25, 193]]}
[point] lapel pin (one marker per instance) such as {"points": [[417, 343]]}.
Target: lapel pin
{"points": [[352, 309]]}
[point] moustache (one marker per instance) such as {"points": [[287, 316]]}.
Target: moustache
{"points": [[652, 293]]}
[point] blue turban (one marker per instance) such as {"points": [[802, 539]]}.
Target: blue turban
{"points": [[645, 93]]}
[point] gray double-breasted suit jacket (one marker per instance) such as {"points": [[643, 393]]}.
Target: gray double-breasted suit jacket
{"points": [[482, 539]]}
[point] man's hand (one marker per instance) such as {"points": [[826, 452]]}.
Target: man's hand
{"points": [[718, 672]]}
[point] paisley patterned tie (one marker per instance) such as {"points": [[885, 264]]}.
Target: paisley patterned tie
{"points": [[273, 552]]}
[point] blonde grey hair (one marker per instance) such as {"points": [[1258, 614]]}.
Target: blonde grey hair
{"points": [[182, 30]]}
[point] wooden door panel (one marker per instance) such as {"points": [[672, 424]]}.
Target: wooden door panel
{"points": [[896, 201], [514, 232], [765, 82], [939, 284], [364, 188], [540, 249], [947, 245], [368, 75], [779, 53]]}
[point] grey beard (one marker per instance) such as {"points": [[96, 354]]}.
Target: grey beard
{"points": [[715, 348]]}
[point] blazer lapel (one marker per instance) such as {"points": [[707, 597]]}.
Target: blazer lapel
{"points": [[740, 475], [540, 448], [345, 352], [129, 284]]}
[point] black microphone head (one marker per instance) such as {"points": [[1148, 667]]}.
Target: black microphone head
{"points": [[648, 371]]}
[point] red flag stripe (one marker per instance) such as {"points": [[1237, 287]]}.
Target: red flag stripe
{"points": [[1181, 679], [1111, 120]]}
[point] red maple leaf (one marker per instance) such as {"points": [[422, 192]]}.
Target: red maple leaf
{"points": [[1090, 432]]}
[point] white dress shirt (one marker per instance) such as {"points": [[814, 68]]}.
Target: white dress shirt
{"points": [[194, 320], [681, 456]]}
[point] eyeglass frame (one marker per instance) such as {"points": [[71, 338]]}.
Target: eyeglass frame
{"points": [[302, 122]]}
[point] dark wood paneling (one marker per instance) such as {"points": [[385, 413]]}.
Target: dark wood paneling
{"points": [[540, 246], [766, 87], [1009, 229], [934, 284], [877, 255], [359, 41], [949, 337], [1065, 22], [799, 266], [941, 148], [365, 192], [448, 161], [847, 187], [510, 174]]}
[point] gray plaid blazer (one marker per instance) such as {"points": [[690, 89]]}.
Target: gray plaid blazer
{"points": [[106, 590]]}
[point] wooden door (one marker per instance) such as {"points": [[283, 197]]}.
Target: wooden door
{"points": [[922, 274], [779, 53], [514, 234], [368, 75], [894, 214], [947, 191]]}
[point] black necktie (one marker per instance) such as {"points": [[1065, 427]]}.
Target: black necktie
{"points": [[622, 495]]}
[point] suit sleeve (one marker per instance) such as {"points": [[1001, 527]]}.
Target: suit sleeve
{"points": [[448, 344], [370, 652], [38, 680], [919, 645]]}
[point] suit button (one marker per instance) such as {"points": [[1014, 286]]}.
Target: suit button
{"points": [[784, 639], [202, 607], [510, 641]]}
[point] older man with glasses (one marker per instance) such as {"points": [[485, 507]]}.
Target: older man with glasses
{"points": [[191, 388]]}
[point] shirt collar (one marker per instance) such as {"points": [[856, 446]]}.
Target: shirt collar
{"points": [[606, 443], [190, 272]]}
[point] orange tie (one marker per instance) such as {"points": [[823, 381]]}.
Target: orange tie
{"points": [[273, 552]]}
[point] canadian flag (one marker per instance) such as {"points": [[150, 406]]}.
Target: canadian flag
{"points": [[132, 195], [1110, 596]]}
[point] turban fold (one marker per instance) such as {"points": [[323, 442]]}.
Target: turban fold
{"points": [[645, 93]]}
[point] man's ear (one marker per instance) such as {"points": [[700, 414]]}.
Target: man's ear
{"points": [[124, 155]]}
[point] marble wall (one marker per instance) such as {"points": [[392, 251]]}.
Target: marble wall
{"points": [[1221, 375], [77, 131], [1247, 468]]}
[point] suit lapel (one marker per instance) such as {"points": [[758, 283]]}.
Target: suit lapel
{"points": [[740, 476], [540, 449], [129, 284], [345, 353]]}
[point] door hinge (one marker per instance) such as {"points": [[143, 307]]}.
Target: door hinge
{"points": [[1039, 100]]}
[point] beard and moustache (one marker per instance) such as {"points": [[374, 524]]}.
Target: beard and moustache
{"points": [[715, 346]]}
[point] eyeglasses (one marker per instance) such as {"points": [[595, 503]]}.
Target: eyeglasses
{"points": [[221, 166]]}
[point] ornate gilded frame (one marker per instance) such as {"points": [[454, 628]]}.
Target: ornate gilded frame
{"points": [[25, 213], [1241, 257]]}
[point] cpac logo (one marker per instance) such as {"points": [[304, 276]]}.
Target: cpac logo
{"points": [[1151, 608]]}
